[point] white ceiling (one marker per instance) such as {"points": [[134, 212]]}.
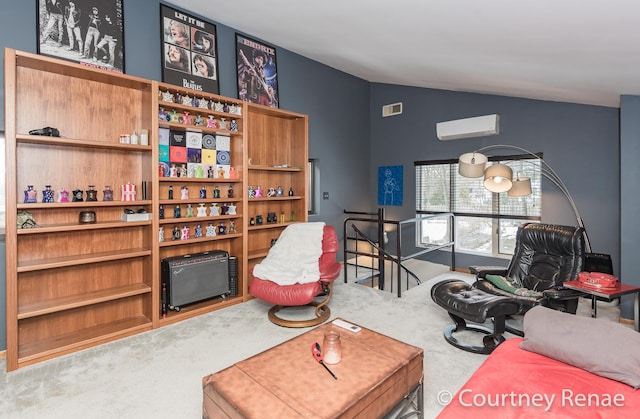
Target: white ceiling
{"points": [[581, 51]]}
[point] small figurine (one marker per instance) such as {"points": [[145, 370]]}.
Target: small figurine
{"points": [[198, 232], [280, 191], [222, 229], [230, 192], [211, 230], [63, 195], [167, 97], [201, 210], [220, 171], [234, 125], [203, 193], [163, 116], [176, 233], [211, 122], [47, 194], [187, 101], [252, 222], [223, 123], [177, 212], [233, 173], [107, 194], [184, 192], [232, 227], [216, 192], [189, 211], [272, 218], [161, 212], [271, 192], [252, 192], [77, 195], [210, 172], [182, 171], [198, 121], [170, 192], [92, 194], [195, 102], [185, 233], [224, 210], [177, 98], [199, 171], [232, 209], [218, 107], [259, 219], [174, 117], [186, 119], [291, 191], [160, 234], [214, 211], [293, 216], [31, 195], [173, 170], [203, 104], [225, 107], [259, 192]]}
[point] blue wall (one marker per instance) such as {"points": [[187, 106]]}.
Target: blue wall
{"points": [[350, 139]]}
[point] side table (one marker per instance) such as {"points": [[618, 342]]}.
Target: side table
{"points": [[609, 294]]}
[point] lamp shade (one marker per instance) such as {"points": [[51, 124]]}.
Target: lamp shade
{"points": [[472, 164], [497, 178], [521, 186]]}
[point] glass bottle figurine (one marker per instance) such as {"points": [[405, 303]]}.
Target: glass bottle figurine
{"points": [[92, 194], [160, 234], [63, 195], [211, 230], [203, 193], [77, 195], [107, 194], [198, 232], [189, 210], [291, 191], [30, 195], [223, 123], [234, 125], [185, 233], [161, 212], [170, 194], [47, 194], [201, 210], [216, 192], [176, 212], [175, 235]]}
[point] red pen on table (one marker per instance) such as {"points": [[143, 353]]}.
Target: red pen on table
{"points": [[317, 354]]}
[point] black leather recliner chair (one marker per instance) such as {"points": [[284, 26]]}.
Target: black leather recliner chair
{"points": [[545, 256]]}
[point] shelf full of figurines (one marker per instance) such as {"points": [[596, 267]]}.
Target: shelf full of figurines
{"points": [[203, 194], [196, 232], [271, 192], [190, 111], [129, 192]]}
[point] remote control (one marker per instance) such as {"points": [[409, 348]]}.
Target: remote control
{"points": [[346, 325]]}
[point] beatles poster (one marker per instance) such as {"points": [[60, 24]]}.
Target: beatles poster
{"points": [[88, 32], [189, 51], [257, 72]]}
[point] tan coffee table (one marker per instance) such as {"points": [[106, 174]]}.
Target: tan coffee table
{"points": [[376, 374]]}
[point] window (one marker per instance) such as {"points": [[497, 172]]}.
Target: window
{"points": [[485, 222]]}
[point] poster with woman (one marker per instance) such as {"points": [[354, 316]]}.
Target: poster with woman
{"points": [[189, 51]]}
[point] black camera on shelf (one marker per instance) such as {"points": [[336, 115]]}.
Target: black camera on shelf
{"points": [[47, 131]]}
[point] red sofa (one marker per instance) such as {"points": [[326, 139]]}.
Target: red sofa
{"points": [[516, 383]]}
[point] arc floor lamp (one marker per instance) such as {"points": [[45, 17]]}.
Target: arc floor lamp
{"points": [[499, 177]]}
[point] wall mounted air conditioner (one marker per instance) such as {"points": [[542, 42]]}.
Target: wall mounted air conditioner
{"points": [[479, 126]]}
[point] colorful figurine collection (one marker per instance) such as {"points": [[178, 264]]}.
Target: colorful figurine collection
{"points": [[77, 195], [199, 103]]}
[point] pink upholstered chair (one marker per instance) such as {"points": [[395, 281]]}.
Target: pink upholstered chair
{"points": [[315, 294]]}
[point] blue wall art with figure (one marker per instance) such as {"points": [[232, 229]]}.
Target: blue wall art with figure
{"points": [[390, 185]]}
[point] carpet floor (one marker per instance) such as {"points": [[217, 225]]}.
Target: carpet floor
{"points": [[158, 373]]}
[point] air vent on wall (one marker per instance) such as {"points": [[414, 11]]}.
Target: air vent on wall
{"points": [[479, 126], [392, 109]]}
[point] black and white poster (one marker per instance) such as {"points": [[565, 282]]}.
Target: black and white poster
{"points": [[189, 51], [89, 32], [257, 72]]}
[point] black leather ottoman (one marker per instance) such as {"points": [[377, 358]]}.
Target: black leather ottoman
{"points": [[464, 302]]}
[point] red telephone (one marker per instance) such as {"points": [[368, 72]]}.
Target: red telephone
{"points": [[598, 280]]}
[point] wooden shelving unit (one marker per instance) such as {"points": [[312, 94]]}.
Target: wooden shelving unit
{"points": [[277, 143], [72, 285]]}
